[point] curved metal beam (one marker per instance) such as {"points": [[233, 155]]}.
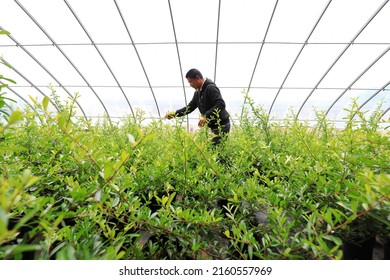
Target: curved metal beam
{"points": [[25, 101], [341, 54], [258, 56], [48, 36], [180, 65], [372, 96], [104, 60], [139, 57], [299, 54], [354, 81], [37, 61], [384, 113], [18, 95], [31, 83]]}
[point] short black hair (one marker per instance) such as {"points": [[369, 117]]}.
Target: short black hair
{"points": [[192, 73]]}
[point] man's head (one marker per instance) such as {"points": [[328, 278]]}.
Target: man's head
{"points": [[195, 78]]}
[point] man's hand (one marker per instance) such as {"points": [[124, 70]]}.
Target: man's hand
{"points": [[202, 121], [170, 115]]}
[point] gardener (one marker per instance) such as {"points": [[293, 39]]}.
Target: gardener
{"points": [[208, 99]]}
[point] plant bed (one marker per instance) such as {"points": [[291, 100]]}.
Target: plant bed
{"points": [[134, 191]]}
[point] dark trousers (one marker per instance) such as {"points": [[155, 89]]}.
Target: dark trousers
{"points": [[220, 133]]}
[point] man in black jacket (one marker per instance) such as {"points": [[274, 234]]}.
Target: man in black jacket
{"points": [[208, 99]]}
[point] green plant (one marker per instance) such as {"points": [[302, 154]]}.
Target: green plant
{"points": [[133, 191], [4, 106]]}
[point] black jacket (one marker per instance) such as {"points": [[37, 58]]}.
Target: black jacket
{"points": [[210, 103]]}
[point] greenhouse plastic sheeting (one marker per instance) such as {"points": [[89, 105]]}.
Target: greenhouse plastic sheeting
{"points": [[125, 55]]}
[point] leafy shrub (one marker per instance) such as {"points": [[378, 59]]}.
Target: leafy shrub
{"points": [[73, 190]]}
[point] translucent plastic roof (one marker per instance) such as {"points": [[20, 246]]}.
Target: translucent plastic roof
{"points": [[120, 55]]}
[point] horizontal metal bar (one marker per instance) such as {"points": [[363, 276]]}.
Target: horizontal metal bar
{"points": [[197, 43], [221, 87]]}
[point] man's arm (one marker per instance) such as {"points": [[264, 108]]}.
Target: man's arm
{"points": [[187, 109]]}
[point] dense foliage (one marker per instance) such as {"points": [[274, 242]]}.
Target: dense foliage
{"points": [[70, 189]]}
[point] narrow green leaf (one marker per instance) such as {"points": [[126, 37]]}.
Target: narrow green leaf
{"points": [[196, 246], [61, 120], [170, 199], [45, 102], [250, 252], [336, 240], [108, 171], [9, 80], [164, 200], [15, 117], [3, 221], [115, 202]]}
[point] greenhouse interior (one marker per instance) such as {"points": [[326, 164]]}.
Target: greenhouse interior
{"points": [[194, 130]]}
